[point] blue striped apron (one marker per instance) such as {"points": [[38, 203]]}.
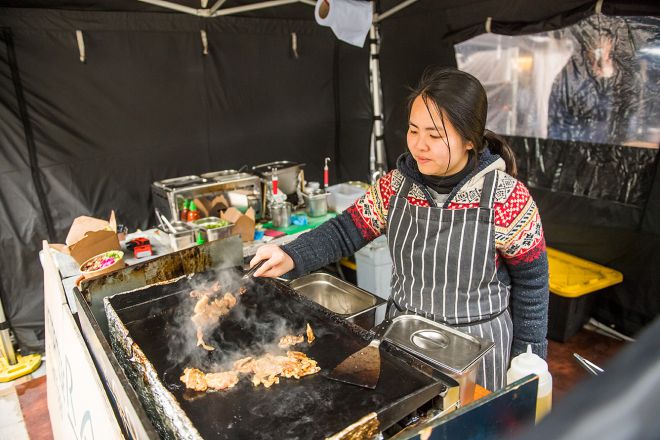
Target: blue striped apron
{"points": [[444, 269]]}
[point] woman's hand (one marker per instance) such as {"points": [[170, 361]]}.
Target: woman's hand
{"points": [[277, 262]]}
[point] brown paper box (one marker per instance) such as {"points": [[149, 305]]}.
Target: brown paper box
{"points": [[243, 223], [89, 236]]}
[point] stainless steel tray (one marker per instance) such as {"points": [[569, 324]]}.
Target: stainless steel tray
{"points": [[452, 350], [336, 295]]}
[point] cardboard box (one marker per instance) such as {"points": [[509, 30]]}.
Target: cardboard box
{"points": [[89, 236], [243, 223]]}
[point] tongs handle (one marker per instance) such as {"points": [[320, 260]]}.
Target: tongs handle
{"points": [[588, 365], [251, 271]]}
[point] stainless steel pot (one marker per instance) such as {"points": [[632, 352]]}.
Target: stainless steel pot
{"points": [[287, 174], [316, 203], [280, 214]]}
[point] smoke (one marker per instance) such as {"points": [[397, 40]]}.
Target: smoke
{"points": [[253, 326]]}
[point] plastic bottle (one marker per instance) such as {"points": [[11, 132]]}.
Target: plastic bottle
{"points": [[193, 213], [200, 238], [528, 363], [184, 211]]}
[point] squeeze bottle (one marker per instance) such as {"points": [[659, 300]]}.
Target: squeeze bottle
{"points": [[528, 363]]}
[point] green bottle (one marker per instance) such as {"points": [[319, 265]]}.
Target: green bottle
{"points": [[200, 238]]}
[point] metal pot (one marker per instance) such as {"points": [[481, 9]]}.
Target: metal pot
{"points": [[287, 174], [316, 203], [280, 214]]}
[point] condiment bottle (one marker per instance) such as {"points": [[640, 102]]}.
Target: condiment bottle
{"points": [[529, 363], [193, 213], [200, 238], [183, 215]]}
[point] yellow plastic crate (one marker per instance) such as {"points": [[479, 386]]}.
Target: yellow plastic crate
{"points": [[571, 276]]}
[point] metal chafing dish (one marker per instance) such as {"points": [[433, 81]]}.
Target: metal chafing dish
{"points": [[346, 300], [238, 188], [455, 353], [312, 407]]}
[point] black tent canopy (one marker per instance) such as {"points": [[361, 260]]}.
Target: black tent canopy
{"points": [[148, 103]]}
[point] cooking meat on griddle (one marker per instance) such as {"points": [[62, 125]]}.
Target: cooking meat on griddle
{"points": [[222, 380], [207, 312], [289, 340], [199, 381], [266, 370], [310, 334], [194, 379]]}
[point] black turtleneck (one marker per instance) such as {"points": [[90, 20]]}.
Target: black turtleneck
{"points": [[445, 184]]}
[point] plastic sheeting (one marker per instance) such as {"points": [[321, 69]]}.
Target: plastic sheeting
{"points": [[595, 81], [611, 173]]}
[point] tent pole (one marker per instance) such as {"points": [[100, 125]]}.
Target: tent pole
{"points": [[255, 6], [177, 7], [393, 10], [377, 156], [6, 348]]}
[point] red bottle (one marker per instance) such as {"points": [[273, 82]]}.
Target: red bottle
{"points": [[183, 215], [193, 213]]}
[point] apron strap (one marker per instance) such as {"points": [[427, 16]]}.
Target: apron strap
{"points": [[404, 189], [488, 190]]}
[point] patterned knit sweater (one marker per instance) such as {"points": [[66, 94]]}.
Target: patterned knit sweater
{"points": [[521, 257]]}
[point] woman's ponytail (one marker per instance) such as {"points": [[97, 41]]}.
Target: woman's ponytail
{"points": [[498, 145]]}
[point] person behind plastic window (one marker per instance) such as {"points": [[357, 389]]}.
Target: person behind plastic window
{"points": [[465, 236]]}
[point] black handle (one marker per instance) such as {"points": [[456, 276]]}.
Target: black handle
{"points": [[381, 329]]}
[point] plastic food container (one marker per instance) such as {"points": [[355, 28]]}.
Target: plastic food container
{"points": [[102, 263], [213, 228], [572, 279], [343, 195]]}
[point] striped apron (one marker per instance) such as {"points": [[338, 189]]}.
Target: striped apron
{"points": [[444, 269]]}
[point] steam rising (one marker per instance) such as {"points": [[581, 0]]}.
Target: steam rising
{"points": [[258, 330]]}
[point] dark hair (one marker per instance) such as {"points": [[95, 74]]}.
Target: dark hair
{"points": [[462, 99]]}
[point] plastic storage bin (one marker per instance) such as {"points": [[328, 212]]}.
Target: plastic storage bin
{"points": [[374, 271], [342, 196], [572, 279]]}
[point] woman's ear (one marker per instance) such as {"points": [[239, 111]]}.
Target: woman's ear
{"points": [[469, 145]]}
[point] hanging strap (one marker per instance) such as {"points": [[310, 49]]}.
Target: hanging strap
{"points": [[488, 190]]}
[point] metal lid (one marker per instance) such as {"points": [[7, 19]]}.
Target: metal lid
{"points": [[447, 348]]}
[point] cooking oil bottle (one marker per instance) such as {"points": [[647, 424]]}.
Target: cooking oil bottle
{"points": [[528, 363]]}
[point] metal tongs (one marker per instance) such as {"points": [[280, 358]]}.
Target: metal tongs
{"points": [[250, 273], [592, 368]]}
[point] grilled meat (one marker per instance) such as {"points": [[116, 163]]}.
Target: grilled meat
{"points": [[194, 379], [222, 380], [310, 334], [208, 312], [289, 340]]}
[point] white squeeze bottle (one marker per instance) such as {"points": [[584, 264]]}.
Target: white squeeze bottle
{"points": [[528, 363]]}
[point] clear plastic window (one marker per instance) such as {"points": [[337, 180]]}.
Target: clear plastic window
{"points": [[596, 81]]}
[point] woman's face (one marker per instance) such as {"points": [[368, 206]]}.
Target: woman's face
{"points": [[430, 147]]}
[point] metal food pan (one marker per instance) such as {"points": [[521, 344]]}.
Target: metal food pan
{"points": [[348, 301], [455, 353]]}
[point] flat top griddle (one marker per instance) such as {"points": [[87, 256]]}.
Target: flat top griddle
{"points": [[312, 407]]}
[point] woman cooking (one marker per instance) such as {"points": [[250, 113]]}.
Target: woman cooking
{"points": [[465, 236]]}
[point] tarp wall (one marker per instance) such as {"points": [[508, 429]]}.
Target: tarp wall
{"points": [[147, 104]]}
